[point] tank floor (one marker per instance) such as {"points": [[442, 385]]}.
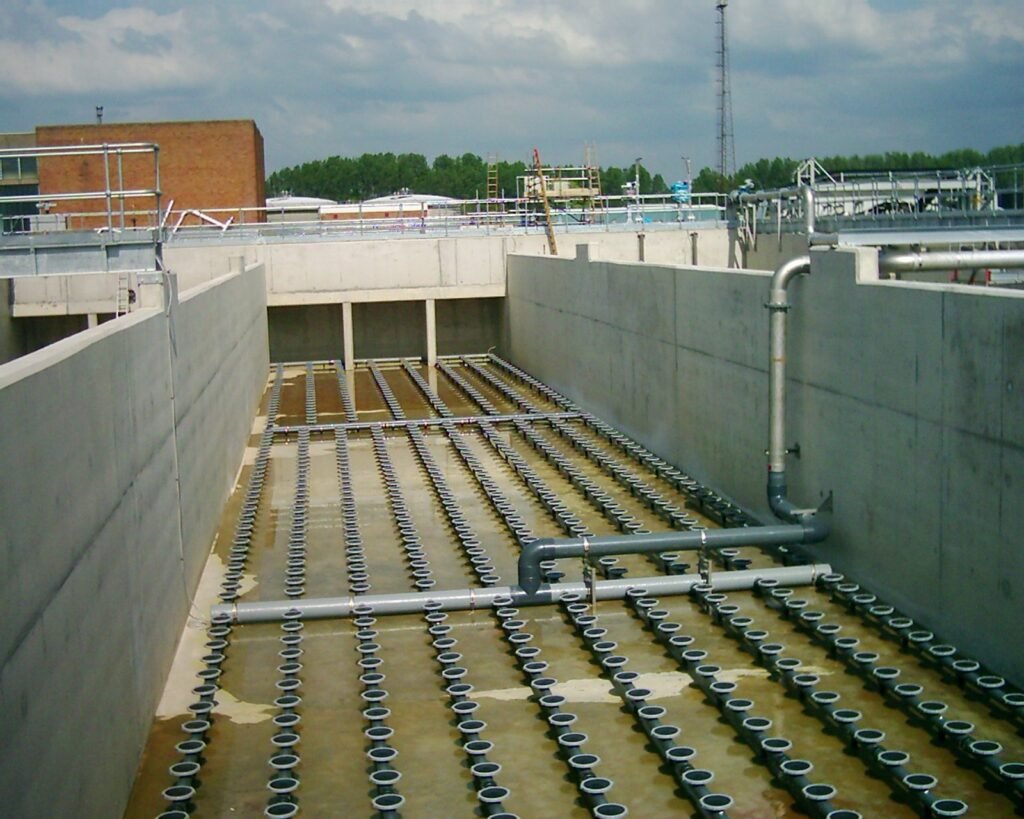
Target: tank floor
{"points": [[325, 492]]}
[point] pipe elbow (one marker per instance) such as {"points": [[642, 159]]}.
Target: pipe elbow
{"points": [[816, 523], [529, 563], [817, 526], [801, 265]]}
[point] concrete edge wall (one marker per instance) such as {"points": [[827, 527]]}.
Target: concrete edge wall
{"points": [[320, 272], [99, 551], [904, 398]]}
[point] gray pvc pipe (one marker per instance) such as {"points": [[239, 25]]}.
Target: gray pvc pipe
{"points": [[269, 611], [530, 557], [778, 304]]}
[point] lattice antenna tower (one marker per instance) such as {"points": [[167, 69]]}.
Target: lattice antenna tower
{"points": [[726, 144]]}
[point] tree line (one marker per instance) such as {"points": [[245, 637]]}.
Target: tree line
{"points": [[353, 179]]}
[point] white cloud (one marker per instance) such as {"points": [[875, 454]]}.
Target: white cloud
{"points": [[102, 54], [635, 76]]}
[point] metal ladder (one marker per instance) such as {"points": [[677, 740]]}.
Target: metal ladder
{"points": [[493, 193], [123, 301]]}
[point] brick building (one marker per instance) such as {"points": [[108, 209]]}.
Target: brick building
{"points": [[205, 165]]}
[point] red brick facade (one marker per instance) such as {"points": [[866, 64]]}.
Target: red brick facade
{"points": [[203, 166]]}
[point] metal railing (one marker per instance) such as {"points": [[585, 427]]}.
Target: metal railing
{"points": [[486, 216], [987, 196], [113, 211]]}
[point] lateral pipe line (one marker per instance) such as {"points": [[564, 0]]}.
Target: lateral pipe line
{"points": [[779, 306], [324, 608], [896, 262], [530, 558], [461, 420], [916, 237]]}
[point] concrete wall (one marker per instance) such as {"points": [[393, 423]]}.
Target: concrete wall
{"points": [[100, 546], [469, 325], [40, 332], [771, 250], [313, 332], [70, 295], [905, 399], [386, 269], [389, 329], [322, 272], [317, 271]]}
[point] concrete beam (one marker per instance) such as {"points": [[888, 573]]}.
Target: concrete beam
{"points": [[485, 291], [431, 332], [349, 335]]}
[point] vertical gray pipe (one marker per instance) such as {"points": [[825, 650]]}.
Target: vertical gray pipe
{"points": [[809, 216], [779, 306]]}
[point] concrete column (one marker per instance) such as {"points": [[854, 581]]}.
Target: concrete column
{"points": [[349, 336], [92, 320], [431, 333]]}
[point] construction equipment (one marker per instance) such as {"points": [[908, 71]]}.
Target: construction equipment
{"points": [[593, 180], [542, 190]]}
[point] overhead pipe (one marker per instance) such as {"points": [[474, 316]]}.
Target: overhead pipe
{"points": [[892, 261], [781, 505], [918, 237], [269, 611], [808, 194]]}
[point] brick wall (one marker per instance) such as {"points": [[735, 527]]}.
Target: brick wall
{"points": [[203, 166]]}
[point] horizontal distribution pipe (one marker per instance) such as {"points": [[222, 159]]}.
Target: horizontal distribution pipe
{"points": [[463, 420], [916, 237], [269, 611], [908, 262], [530, 574]]}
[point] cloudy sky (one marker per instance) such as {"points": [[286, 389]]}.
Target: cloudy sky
{"points": [[633, 77]]}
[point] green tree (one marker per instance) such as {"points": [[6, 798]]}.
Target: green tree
{"points": [[711, 181], [465, 177], [612, 180]]}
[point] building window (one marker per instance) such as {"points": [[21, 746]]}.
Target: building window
{"points": [[15, 167]]}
